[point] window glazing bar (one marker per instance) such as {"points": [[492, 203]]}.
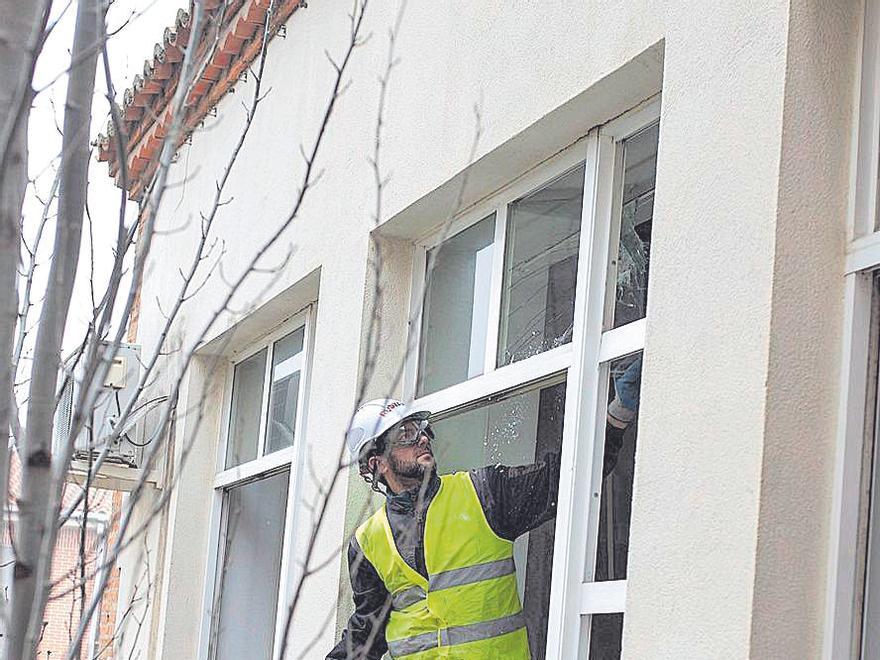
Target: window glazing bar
{"points": [[622, 341], [863, 254], [603, 597]]}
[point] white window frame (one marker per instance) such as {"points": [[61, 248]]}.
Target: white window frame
{"points": [[584, 361], [843, 608], [493, 379], [265, 465]]}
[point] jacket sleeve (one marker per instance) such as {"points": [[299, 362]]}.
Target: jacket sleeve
{"points": [[371, 607], [518, 499]]}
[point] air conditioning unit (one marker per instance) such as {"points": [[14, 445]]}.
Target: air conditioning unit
{"points": [[123, 461]]}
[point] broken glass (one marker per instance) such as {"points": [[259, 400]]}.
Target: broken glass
{"points": [[540, 269], [631, 263]]}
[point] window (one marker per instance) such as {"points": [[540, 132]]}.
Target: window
{"points": [[630, 264], [254, 489], [284, 392], [530, 341], [502, 289], [247, 403], [854, 554], [251, 432], [608, 468], [248, 581], [456, 308], [618, 465], [540, 269]]}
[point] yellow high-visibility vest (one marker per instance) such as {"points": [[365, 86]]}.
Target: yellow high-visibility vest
{"points": [[469, 607]]}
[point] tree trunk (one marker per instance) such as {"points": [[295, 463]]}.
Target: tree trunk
{"points": [[21, 24], [28, 602]]}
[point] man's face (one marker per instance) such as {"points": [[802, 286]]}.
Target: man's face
{"points": [[410, 453]]}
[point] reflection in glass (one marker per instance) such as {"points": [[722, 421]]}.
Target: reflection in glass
{"points": [[456, 313], [540, 269], [515, 431], [244, 418], [606, 633], [287, 359], [618, 468], [634, 248], [248, 579]]}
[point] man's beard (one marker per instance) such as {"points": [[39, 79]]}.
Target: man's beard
{"points": [[409, 469]]}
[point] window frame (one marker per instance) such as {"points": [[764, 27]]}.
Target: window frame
{"points": [[572, 596], [848, 525], [583, 362], [288, 459], [843, 634]]}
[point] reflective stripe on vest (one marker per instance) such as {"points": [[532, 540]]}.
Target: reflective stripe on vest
{"points": [[456, 577], [469, 601], [473, 632], [403, 599]]}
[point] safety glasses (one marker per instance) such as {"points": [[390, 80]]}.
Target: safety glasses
{"points": [[408, 433]]}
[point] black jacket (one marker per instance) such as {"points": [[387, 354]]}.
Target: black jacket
{"points": [[515, 500]]}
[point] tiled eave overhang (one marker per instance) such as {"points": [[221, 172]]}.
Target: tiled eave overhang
{"points": [[145, 110]]}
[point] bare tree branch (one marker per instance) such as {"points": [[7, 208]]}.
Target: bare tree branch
{"points": [[36, 464]]}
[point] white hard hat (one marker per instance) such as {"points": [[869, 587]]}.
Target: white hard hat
{"points": [[374, 418]]}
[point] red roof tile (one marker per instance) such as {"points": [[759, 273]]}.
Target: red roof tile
{"points": [[145, 104]]}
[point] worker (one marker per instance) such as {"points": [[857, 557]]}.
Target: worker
{"points": [[622, 411], [432, 571]]}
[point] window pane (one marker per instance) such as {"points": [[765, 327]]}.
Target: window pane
{"points": [[247, 401], [606, 632], [247, 595], [869, 570], [618, 466], [514, 431], [456, 314], [634, 248], [287, 359], [540, 269]]}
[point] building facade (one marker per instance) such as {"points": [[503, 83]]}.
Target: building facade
{"points": [[640, 233]]}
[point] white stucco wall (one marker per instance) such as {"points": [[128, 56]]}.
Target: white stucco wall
{"points": [[701, 424], [806, 328], [729, 532], [721, 330]]}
